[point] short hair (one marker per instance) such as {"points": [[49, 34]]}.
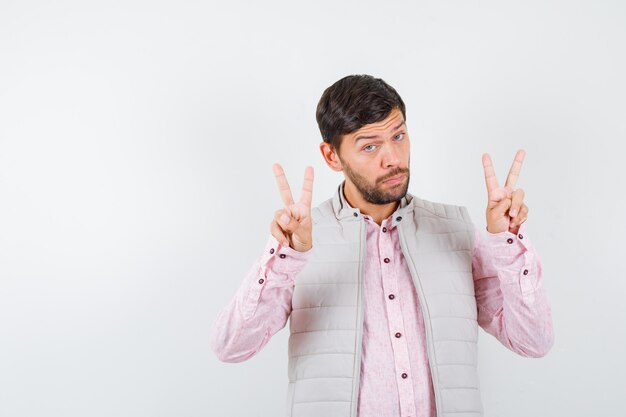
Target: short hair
{"points": [[353, 102]]}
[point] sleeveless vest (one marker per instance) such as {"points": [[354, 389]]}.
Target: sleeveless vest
{"points": [[326, 322]]}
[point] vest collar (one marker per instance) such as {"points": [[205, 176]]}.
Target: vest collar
{"points": [[343, 211]]}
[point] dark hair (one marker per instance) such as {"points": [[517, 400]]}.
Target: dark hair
{"points": [[353, 102]]}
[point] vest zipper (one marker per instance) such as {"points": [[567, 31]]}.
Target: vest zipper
{"points": [[429, 342], [360, 317]]}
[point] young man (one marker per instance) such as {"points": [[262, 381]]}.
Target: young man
{"points": [[385, 290]]}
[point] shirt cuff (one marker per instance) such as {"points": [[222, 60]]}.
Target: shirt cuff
{"points": [[514, 258], [508, 244], [277, 267], [283, 258]]}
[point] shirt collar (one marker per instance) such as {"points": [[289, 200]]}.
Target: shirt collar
{"points": [[344, 210]]}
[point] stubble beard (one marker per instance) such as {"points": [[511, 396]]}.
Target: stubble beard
{"points": [[377, 194]]}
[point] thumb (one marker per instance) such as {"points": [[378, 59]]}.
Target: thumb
{"points": [[502, 207], [286, 221]]}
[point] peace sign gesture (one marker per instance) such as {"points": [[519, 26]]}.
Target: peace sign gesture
{"points": [[292, 224], [505, 208]]}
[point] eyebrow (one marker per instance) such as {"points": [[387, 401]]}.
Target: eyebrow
{"points": [[376, 136]]}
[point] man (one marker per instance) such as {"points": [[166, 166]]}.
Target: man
{"points": [[385, 291]]}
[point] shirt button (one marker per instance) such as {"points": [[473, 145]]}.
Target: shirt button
{"points": [[261, 281], [387, 260], [391, 296], [525, 271], [404, 376], [272, 250], [398, 218], [509, 240], [384, 229], [520, 236], [398, 335], [355, 214], [282, 255]]}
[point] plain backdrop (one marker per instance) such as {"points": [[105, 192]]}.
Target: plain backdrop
{"points": [[136, 189]]}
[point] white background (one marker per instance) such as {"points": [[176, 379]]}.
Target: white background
{"points": [[136, 190]]}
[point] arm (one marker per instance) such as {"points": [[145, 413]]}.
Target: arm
{"points": [[261, 305], [510, 296]]}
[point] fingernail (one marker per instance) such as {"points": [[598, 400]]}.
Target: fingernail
{"points": [[284, 219], [513, 212]]}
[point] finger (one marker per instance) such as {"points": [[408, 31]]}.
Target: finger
{"points": [[283, 185], [287, 222], [278, 233], [501, 208], [517, 201], [490, 174], [520, 218], [498, 194], [516, 167], [307, 187]]}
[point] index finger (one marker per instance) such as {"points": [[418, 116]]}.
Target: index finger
{"points": [[307, 186], [511, 180], [283, 185], [490, 174]]}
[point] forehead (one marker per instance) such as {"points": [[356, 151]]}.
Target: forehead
{"points": [[387, 125]]}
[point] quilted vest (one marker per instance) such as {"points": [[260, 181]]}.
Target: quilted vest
{"points": [[326, 322]]}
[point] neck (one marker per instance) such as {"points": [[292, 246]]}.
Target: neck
{"points": [[378, 212]]}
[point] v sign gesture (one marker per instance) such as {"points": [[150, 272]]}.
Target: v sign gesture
{"points": [[505, 207], [292, 224]]}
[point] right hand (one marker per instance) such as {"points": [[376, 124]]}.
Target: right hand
{"points": [[295, 232]]}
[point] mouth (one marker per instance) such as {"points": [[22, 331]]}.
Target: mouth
{"points": [[395, 180]]}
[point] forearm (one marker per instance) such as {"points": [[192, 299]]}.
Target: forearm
{"points": [[261, 305], [512, 300]]}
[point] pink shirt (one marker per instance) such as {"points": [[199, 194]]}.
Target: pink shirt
{"points": [[395, 373]]}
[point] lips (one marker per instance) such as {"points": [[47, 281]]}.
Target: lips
{"points": [[395, 179]]}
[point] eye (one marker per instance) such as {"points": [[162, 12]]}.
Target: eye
{"points": [[399, 135]]}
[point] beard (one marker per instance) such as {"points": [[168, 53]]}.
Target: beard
{"points": [[379, 193]]}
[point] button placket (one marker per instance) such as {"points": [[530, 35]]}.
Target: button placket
{"points": [[395, 322]]}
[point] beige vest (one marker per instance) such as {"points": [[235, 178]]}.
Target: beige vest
{"points": [[326, 323]]}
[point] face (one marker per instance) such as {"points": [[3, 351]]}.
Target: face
{"points": [[375, 153]]}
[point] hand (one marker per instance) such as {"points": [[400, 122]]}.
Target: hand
{"points": [[505, 208], [292, 224]]}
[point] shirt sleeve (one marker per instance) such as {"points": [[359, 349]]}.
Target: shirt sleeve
{"points": [[261, 305], [510, 296]]}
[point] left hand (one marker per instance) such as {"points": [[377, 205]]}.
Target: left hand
{"points": [[505, 207]]}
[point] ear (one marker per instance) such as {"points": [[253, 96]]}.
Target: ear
{"points": [[330, 156]]}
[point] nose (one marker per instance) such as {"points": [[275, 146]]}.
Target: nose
{"points": [[391, 156]]}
